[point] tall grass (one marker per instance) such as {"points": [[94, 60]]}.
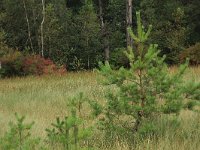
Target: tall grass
{"points": [[42, 99]]}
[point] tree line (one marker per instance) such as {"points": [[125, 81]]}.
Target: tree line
{"points": [[83, 32]]}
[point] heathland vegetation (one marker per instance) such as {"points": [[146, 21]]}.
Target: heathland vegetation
{"points": [[124, 92], [43, 99]]}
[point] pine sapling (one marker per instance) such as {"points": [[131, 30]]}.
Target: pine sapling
{"points": [[70, 132], [19, 136], [144, 90]]}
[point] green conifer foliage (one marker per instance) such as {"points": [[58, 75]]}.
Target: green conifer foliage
{"points": [[144, 90], [19, 136], [71, 133]]}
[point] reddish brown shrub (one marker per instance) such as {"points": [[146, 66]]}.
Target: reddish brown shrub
{"points": [[61, 70], [193, 53], [33, 65], [37, 65]]}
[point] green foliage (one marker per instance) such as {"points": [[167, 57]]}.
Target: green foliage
{"points": [[192, 20], [71, 132], [77, 64], [170, 26], [72, 28], [118, 58], [144, 90], [19, 136], [88, 35], [176, 36], [11, 63]]}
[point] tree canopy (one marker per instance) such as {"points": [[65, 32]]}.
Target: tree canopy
{"points": [[81, 31]]}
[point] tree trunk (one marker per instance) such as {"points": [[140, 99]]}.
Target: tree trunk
{"points": [[129, 22], [103, 31], [42, 28], [28, 26], [37, 37]]}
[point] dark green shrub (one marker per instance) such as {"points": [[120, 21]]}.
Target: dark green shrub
{"points": [[4, 49], [11, 64]]}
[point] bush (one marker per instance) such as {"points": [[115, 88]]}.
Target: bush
{"points": [[4, 49], [37, 65], [11, 64], [16, 64], [193, 52]]}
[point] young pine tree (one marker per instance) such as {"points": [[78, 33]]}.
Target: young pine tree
{"points": [[71, 132], [19, 136], [144, 90]]}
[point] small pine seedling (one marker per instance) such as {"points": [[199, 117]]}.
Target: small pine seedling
{"points": [[70, 132], [19, 136]]}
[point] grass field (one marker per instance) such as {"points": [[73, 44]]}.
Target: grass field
{"points": [[42, 99]]}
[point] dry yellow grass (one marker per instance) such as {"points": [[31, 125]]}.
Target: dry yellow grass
{"points": [[42, 99]]}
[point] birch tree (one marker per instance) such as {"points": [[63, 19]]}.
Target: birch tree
{"points": [[28, 25], [42, 28], [103, 30], [129, 22]]}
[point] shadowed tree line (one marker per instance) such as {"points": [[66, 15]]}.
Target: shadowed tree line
{"points": [[79, 33]]}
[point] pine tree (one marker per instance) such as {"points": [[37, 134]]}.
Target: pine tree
{"points": [[19, 136], [144, 90], [71, 132]]}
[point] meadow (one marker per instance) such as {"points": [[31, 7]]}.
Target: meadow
{"points": [[43, 98]]}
